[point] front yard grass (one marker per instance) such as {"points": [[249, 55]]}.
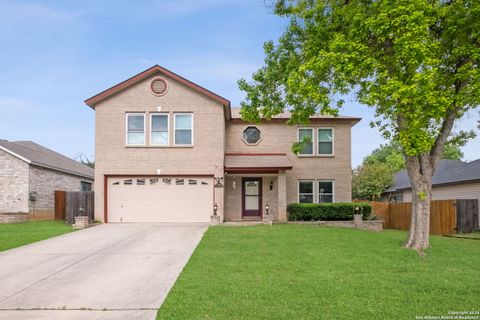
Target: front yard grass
{"points": [[309, 272], [18, 234]]}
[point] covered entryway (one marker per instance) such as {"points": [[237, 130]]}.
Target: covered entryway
{"points": [[253, 181], [159, 199]]}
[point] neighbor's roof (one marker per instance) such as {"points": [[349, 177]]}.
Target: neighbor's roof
{"points": [[287, 115], [38, 155], [147, 73], [448, 172], [249, 161]]}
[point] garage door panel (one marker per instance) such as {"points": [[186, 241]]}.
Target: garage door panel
{"points": [[160, 200]]}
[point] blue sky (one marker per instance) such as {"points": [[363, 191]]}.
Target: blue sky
{"points": [[55, 54]]}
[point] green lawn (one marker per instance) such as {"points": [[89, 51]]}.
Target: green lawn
{"points": [[473, 235], [308, 272], [18, 234]]}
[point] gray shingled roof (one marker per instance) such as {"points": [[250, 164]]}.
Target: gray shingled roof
{"points": [[448, 172], [256, 161], [287, 115], [43, 157]]}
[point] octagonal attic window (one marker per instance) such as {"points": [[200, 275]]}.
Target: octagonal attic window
{"points": [[252, 135]]}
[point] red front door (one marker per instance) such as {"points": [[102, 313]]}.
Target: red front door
{"points": [[252, 197]]}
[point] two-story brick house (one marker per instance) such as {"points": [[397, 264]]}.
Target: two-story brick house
{"points": [[169, 150]]}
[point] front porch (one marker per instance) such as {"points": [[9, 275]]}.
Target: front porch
{"points": [[255, 183]]}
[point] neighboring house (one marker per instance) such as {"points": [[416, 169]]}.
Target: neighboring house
{"points": [[168, 150], [452, 180], [30, 173]]}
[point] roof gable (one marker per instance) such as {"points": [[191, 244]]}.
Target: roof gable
{"points": [[91, 102]]}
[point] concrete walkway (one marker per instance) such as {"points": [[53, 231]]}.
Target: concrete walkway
{"points": [[111, 271]]}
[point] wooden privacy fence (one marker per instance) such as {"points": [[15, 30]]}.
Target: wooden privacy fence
{"points": [[69, 204], [446, 216]]}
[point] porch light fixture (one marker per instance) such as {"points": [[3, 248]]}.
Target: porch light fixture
{"points": [[215, 209], [271, 185], [267, 208], [357, 209]]}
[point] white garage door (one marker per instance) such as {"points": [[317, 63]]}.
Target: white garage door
{"points": [[145, 199]]}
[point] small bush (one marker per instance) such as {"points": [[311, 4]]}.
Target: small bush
{"points": [[326, 211]]}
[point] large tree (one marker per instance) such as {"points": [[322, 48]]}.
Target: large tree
{"points": [[414, 61], [370, 180]]}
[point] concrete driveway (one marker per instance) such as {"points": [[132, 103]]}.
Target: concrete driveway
{"points": [[111, 271]]}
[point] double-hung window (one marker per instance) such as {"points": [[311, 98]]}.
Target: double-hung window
{"points": [[135, 129], [305, 136], [325, 141], [183, 134], [325, 191], [305, 192], [159, 129]]}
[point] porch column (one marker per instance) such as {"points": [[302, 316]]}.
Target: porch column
{"points": [[282, 196]]}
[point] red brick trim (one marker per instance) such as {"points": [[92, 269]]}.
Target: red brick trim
{"points": [[256, 170], [253, 154], [159, 79]]}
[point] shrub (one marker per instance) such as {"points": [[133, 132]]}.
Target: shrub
{"points": [[326, 211]]}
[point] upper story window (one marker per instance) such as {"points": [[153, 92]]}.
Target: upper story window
{"points": [[305, 191], [251, 135], [306, 135], [159, 129], [135, 129], [325, 141], [183, 134]]}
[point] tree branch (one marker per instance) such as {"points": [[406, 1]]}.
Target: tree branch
{"points": [[442, 137]]}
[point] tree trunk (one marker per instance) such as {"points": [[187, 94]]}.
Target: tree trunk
{"points": [[420, 172]]}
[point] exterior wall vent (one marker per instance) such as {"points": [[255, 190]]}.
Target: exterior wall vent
{"points": [[159, 86]]}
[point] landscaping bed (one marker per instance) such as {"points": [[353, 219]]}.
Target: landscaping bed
{"points": [[309, 272]]}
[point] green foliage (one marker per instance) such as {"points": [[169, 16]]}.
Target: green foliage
{"points": [[326, 211], [370, 180], [391, 155], [414, 61]]}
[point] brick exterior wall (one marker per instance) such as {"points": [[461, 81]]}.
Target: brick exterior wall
{"points": [[112, 156], [278, 137], [13, 184], [45, 181], [13, 218], [213, 136]]}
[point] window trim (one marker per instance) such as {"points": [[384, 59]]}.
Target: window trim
{"points": [[82, 183], [333, 189], [318, 142], [313, 141], [313, 190], [128, 114], [175, 128], [248, 143], [168, 128]]}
